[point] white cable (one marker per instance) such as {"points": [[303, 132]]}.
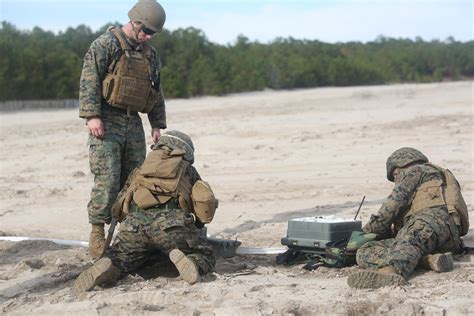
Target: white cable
{"points": [[259, 251], [64, 242], [80, 243]]}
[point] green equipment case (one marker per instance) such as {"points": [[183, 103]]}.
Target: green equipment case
{"points": [[311, 234]]}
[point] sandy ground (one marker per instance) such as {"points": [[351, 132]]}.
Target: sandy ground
{"points": [[270, 156]]}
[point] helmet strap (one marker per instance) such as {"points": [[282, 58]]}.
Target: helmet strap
{"points": [[136, 28]]}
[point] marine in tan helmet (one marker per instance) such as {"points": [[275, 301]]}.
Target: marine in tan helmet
{"points": [[162, 208], [150, 13], [120, 77], [421, 220]]}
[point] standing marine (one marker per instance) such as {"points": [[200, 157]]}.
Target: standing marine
{"points": [[422, 219], [165, 204], [120, 77]]}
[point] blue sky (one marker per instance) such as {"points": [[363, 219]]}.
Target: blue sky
{"points": [[223, 20]]}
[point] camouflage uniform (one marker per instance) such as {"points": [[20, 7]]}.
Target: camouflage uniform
{"points": [[123, 146], [432, 230], [160, 229]]}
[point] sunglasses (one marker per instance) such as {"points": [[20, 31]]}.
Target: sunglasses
{"points": [[147, 31]]}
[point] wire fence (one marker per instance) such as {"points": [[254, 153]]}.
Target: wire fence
{"points": [[13, 106]]}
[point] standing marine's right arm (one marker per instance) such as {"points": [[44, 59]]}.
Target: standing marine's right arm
{"points": [[96, 62]]}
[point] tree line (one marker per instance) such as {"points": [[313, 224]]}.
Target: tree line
{"points": [[39, 64]]}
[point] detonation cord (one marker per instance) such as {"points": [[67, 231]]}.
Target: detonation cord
{"points": [[80, 243]]}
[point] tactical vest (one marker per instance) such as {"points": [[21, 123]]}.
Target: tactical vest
{"points": [[159, 180], [127, 84], [433, 193]]}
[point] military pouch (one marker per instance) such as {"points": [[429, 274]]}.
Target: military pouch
{"points": [[128, 93], [144, 199], [428, 194], [108, 87], [457, 207], [170, 186], [161, 172], [163, 199], [204, 201], [161, 164]]}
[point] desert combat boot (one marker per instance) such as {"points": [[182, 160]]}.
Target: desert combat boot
{"points": [[102, 272], [187, 268], [96, 241], [439, 262], [374, 279]]}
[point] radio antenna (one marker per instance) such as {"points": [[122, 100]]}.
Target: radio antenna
{"points": [[360, 205]]}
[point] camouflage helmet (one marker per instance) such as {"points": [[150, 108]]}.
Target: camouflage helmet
{"points": [[178, 140], [150, 13], [403, 157]]}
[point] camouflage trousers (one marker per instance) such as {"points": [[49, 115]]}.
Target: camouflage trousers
{"points": [[112, 159], [147, 233], [433, 231]]}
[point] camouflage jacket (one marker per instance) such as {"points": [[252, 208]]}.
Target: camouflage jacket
{"points": [[399, 201], [101, 53]]}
